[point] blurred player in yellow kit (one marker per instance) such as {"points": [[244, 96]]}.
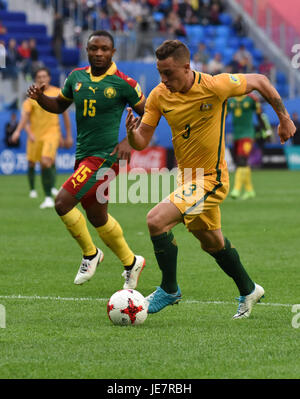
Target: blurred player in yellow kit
{"points": [[44, 138], [194, 105]]}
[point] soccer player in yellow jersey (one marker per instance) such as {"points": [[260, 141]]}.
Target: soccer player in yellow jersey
{"points": [[194, 105], [44, 136]]}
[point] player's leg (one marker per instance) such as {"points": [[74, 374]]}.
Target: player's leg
{"points": [[161, 219], [111, 233], [240, 163], [47, 181], [31, 157], [227, 257], [242, 178], [54, 190], [31, 179], [74, 220], [48, 154]]}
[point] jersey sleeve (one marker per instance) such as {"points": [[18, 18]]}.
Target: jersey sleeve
{"points": [[152, 112], [227, 85], [67, 92], [134, 92], [27, 106]]}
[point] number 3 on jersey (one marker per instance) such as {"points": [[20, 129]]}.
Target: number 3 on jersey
{"points": [[89, 108], [187, 131]]}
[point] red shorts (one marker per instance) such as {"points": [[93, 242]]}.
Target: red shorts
{"points": [[89, 174], [243, 147]]}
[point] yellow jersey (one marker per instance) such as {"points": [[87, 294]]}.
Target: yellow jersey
{"points": [[197, 119], [42, 123]]}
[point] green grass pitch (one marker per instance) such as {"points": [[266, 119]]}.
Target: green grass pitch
{"points": [[58, 330]]}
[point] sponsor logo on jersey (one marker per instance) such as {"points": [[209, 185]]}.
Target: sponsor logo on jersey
{"points": [[93, 89], [234, 79], [110, 92], [78, 86], [205, 107]]}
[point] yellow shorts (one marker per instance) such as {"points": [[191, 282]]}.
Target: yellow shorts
{"points": [[199, 201], [45, 147]]}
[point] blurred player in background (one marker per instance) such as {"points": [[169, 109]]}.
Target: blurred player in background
{"points": [[100, 93], [194, 104], [44, 137], [243, 108]]}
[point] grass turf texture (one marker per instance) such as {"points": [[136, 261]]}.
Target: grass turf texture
{"points": [[50, 338]]}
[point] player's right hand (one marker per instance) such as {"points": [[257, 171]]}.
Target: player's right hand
{"points": [[15, 136], [35, 92], [286, 130], [131, 121]]}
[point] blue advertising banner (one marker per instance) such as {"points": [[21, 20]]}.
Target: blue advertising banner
{"points": [[292, 154]]}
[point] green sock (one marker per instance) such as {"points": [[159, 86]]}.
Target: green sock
{"points": [[31, 177], [53, 169], [165, 249], [229, 261], [47, 180]]}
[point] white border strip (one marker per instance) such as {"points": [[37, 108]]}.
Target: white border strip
{"points": [[82, 299]]}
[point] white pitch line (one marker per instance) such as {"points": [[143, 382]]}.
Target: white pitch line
{"points": [[78, 299]]}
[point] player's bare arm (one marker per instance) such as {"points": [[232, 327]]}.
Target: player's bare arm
{"points": [[286, 127], [139, 134], [21, 125], [55, 105], [68, 142], [123, 149]]}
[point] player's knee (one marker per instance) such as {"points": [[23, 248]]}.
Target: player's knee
{"points": [[60, 206], [154, 221], [46, 162]]}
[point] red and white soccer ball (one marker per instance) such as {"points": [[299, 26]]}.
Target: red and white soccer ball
{"points": [[127, 307]]}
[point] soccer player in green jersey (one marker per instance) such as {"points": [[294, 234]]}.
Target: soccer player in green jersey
{"points": [[100, 93], [243, 108]]}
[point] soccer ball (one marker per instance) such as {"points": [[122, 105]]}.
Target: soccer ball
{"points": [[127, 307]]}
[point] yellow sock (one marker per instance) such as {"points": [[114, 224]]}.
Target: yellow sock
{"points": [[112, 235], [238, 178], [76, 224], [248, 179]]}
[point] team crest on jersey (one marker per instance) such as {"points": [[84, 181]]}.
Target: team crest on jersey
{"points": [[110, 92], [78, 86], [205, 107], [234, 79]]}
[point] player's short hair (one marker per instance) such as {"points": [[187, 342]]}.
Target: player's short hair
{"points": [[102, 33], [45, 69], [173, 48]]}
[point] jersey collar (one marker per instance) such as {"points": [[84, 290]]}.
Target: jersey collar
{"points": [[111, 71]]}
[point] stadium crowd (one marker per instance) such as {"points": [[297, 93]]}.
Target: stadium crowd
{"points": [[146, 19]]}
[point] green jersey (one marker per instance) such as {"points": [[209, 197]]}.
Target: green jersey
{"points": [[99, 103], [243, 109]]}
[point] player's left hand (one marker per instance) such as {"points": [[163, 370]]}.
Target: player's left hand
{"points": [[123, 150], [286, 129]]}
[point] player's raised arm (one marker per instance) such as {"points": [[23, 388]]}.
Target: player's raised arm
{"points": [[139, 134], [55, 105], [286, 127]]}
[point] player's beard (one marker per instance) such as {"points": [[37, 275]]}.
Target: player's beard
{"points": [[99, 68]]}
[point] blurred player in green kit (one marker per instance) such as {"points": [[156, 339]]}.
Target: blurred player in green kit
{"points": [[243, 108]]}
